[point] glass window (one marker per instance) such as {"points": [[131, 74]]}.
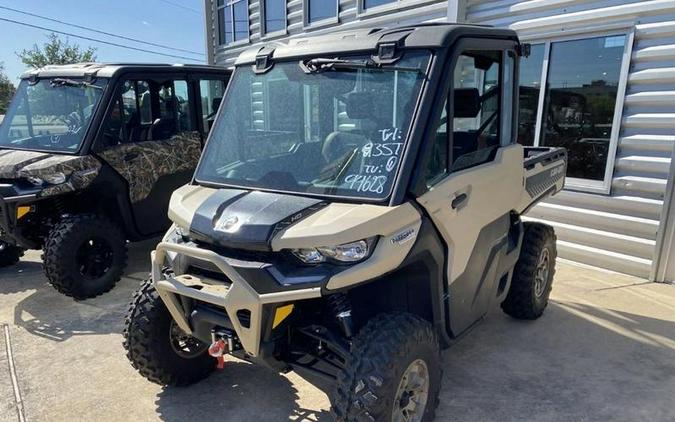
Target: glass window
{"points": [[143, 93], [476, 97], [282, 130], [438, 160], [530, 86], [240, 15], [275, 15], [581, 91], [51, 114], [211, 94], [321, 9], [373, 3], [183, 104], [232, 21], [146, 111]]}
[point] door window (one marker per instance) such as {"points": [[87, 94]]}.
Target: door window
{"points": [[211, 94], [476, 98], [146, 110]]}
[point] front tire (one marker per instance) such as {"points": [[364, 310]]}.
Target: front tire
{"points": [[84, 255], [155, 346], [533, 275], [9, 254], [393, 372]]}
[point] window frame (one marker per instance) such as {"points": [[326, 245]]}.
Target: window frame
{"points": [[574, 183], [264, 34], [231, 3], [307, 24]]}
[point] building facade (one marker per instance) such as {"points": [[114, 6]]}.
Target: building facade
{"points": [[600, 81]]}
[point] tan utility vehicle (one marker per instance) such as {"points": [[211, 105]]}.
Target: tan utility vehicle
{"points": [[357, 206]]}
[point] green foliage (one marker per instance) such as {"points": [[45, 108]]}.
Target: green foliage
{"points": [[6, 90], [56, 51]]}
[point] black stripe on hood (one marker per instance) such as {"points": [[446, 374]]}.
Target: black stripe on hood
{"points": [[248, 220]]}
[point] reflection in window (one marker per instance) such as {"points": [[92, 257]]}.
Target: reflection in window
{"points": [[275, 15], [373, 3], [530, 85], [321, 9], [580, 100], [232, 20]]}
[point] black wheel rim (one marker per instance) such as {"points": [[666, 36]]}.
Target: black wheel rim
{"points": [[184, 344], [94, 258]]}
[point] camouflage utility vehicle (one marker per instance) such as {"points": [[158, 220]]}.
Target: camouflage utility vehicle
{"points": [[89, 156], [357, 206]]}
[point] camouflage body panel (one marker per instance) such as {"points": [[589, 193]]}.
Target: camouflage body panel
{"points": [[153, 159], [80, 171]]}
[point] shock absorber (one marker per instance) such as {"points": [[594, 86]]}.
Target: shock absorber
{"points": [[342, 308]]}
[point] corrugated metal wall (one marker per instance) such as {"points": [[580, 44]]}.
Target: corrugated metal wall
{"points": [[349, 17], [617, 231]]}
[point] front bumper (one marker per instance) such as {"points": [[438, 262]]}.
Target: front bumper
{"points": [[235, 296], [9, 201]]}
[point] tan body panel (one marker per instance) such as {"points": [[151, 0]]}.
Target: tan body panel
{"points": [[493, 189], [343, 223], [184, 201]]}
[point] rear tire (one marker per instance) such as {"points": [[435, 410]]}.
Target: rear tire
{"points": [[9, 254], [394, 362], [148, 340], [84, 255], [533, 275]]}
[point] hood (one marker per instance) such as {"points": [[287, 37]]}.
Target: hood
{"points": [[235, 218], [12, 161], [78, 170]]}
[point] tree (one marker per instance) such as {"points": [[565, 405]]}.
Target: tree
{"points": [[56, 51], [6, 90]]}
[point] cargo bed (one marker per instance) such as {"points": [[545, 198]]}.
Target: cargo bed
{"points": [[545, 169]]}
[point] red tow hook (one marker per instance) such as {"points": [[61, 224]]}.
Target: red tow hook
{"points": [[218, 349]]}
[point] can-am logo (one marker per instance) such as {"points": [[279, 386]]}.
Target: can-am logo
{"points": [[227, 224]]}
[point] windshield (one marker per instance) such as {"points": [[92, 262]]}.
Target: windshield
{"points": [[50, 115], [333, 131]]}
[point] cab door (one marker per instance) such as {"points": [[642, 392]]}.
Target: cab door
{"points": [[475, 178], [150, 138]]}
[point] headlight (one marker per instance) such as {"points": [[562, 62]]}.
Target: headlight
{"points": [[55, 178], [348, 252], [35, 180]]}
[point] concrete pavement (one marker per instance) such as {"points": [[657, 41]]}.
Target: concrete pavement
{"points": [[605, 350]]}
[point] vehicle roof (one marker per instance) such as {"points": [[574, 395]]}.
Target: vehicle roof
{"points": [[106, 70], [425, 35]]}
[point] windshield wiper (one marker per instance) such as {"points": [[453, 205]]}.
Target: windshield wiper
{"points": [[70, 82], [322, 64]]}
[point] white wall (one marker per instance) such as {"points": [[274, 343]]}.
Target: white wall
{"points": [[618, 231]]}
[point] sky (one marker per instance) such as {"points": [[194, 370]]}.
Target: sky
{"points": [[175, 23]]}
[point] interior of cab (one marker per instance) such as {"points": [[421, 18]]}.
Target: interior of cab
{"points": [[146, 111]]}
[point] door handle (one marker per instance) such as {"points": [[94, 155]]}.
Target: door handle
{"points": [[458, 200], [130, 156]]}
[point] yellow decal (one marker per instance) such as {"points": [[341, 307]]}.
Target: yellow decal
{"points": [[21, 211], [281, 314]]}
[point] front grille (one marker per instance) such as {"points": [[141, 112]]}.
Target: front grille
{"points": [[208, 273]]}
